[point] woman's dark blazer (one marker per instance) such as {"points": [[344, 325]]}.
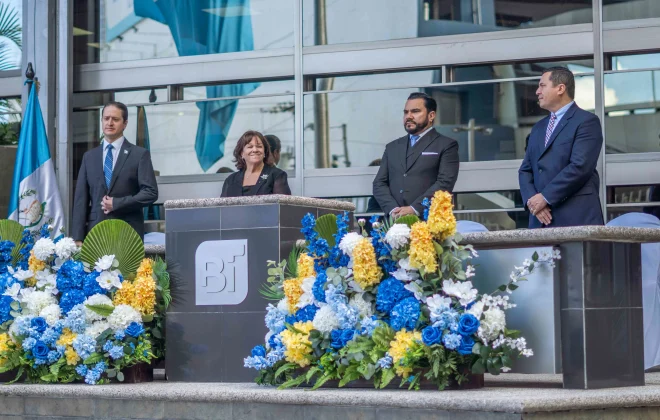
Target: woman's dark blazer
{"points": [[271, 181]]}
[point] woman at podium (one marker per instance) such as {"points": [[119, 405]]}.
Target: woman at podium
{"points": [[257, 174]]}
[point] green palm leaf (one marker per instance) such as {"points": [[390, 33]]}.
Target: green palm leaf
{"points": [[114, 237], [11, 230], [409, 220], [10, 24], [326, 227], [292, 262]]}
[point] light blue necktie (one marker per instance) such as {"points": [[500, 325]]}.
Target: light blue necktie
{"points": [[413, 140], [107, 165]]}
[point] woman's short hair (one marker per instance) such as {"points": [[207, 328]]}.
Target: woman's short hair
{"points": [[243, 141]]}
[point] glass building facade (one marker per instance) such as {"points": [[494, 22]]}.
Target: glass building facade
{"points": [[330, 79]]}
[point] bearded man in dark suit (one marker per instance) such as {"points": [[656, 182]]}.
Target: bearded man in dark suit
{"points": [[417, 165]]}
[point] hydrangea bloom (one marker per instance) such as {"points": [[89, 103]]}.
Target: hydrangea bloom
{"points": [[319, 287], [43, 249], [38, 300], [325, 319], [275, 319], [390, 292], [65, 247], [349, 242], [398, 235], [123, 316], [94, 300], [70, 299], [51, 313], [405, 314], [84, 345]]}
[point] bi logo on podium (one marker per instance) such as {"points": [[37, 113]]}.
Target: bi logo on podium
{"points": [[221, 272]]}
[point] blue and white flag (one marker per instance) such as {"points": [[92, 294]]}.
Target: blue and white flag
{"points": [[35, 198]]}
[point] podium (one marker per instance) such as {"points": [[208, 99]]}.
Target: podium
{"points": [[220, 248]]}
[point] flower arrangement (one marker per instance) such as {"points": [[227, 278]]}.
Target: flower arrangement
{"points": [[397, 303], [64, 319]]}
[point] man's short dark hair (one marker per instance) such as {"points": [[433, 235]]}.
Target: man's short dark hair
{"points": [[429, 103], [562, 76], [123, 108], [274, 142]]}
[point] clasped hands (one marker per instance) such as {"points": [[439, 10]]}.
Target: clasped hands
{"points": [[539, 208], [402, 211], [106, 204]]}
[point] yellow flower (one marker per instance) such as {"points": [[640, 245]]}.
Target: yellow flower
{"points": [[4, 346], [441, 220], [146, 268], [305, 266], [298, 345], [72, 357], [365, 268], [403, 342], [67, 337], [139, 294], [34, 265], [422, 253], [293, 291]]}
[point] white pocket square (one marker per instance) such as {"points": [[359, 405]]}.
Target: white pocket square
{"points": [[428, 153]]}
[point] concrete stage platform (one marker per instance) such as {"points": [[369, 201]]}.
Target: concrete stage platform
{"points": [[509, 396]]}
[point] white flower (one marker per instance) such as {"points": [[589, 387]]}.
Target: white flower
{"points": [[23, 275], [527, 353], [527, 263], [51, 314], [493, 323], [375, 225], [307, 298], [109, 279], [398, 235], [97, 299], [438, 303], [363, 307], [105, 263], [349, 241], [469, 272], [97, 328], [122, 317], [65, 247], [556, 254], [325, 319], [47, 281], [37, 300], [405, 264], [402, 275], [416, 289], [477, 309], [43, 249], [283, 305], [300, 243], [13, 328], [463, 290], [13, 291]]}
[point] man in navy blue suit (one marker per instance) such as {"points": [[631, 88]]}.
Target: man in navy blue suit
{"points": [[558, 178]]}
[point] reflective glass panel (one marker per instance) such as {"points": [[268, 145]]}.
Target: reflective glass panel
{"points": [[630, 9], [500, 220], [11, 15], [632, 121], [194, 137], [10, 127], [347, 21], [122, 30], [490, 121]]}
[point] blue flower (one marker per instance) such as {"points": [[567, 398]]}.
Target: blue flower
{"points": [[116, 352], [405, 314], [275, 341], [39, 324], [319, 286], [466, 345], [258, 351], [451, 340], [390, 292], [426, 203], [84, 345], [5, 308], [368, 326], [50, 336], [70, 276], [346, 315], [53, 356], [40, 350], [75, 319], [385, 362], [447, 320], [468, 324], [256, 362], [71, 298], [81, 370], [91, 286], [431, 335], [134, 329], [306, 313], [119, 335], [29, 343], [275, 319], [339, 338], [107, 346]]}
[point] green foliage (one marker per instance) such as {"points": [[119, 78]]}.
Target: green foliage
{"points": [[103, 310], [409, 220], [10, 28], [11, 230], [114, 237], [326, 227], [272, 289], [292, 262]]}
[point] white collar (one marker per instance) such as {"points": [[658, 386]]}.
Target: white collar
{"points": [[423, 133], [117, 144]]}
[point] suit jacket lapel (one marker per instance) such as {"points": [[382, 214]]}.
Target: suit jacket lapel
{"points": [[419, 147], [562, 123], [235, 188], [121, 159], [265, 171], [400, 149], [94, 177]]}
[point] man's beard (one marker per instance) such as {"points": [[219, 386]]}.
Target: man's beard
{"points": [[416, 127]]}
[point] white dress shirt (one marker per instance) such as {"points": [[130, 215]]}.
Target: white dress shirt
{"points": [[116, 147]]}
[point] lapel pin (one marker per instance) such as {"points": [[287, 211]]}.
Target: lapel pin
{"points": [[125, 152]]}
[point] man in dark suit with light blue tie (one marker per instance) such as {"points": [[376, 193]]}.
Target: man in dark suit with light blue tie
{"points": [[116, 179], [558, 178], [417, 165]]}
